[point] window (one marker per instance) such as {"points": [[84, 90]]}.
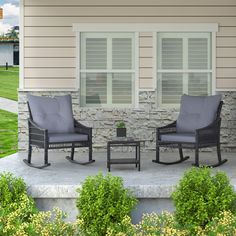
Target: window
{"points": [[107, 69], [183, 65]]}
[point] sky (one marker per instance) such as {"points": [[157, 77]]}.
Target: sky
{"points": [[10, 14]]}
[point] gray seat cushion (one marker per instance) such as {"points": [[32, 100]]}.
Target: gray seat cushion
{"points": [[178, 137], [69, 137], [197, 112], [54, 114]]}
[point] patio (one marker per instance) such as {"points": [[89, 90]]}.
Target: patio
{"points": [[56, 185]]}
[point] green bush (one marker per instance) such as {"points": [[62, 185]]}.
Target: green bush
{"points": [[103, 201], [20, 217], [151, 224], [201, 195], [11, 189], [38, 224], [165, 224], [224, 224], [123, 228]]}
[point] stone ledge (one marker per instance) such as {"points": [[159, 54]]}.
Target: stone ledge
{"points": [[69, 191]]}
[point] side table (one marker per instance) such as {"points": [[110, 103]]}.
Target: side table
{"points": [[121, 142]]}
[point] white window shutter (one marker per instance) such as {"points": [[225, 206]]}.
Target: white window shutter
{"points": [[198, 53], [172, 53], [172, 87], [198, 84], [95, 88], [96, 53], [122, 88], [122, 53]]}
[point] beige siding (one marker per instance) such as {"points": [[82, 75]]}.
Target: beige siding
{"points": [[143, 11], [226, 72], [49, 52], [146, 52], [226, 83], [145, 83], [49, 42], [69, 20], [45, 83], [146, 60], [48, 62], [128, 3], [225, 62], [49, 31], [49, 72]]}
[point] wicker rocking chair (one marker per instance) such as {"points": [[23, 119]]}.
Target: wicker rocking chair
{"points": [[198, 126], [52, 126]]}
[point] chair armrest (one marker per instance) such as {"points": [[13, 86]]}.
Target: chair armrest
{"points": [[37, 135], [209, 133], [32, 124], [82, 129], [170, 128]]}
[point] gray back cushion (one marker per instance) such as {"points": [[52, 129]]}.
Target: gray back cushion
{"points": [[54, 114], [197, 112]]}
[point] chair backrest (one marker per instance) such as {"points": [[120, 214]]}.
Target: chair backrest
{"points": [[54, 114], [197, 112]]}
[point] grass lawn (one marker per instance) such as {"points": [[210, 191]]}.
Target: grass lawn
{"points": [[9, 82], [8, 133]]}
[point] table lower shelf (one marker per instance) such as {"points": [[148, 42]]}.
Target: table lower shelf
{"points": [[123, 161]]}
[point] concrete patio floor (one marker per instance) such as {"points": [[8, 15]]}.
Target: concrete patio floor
{"points": [[57, 184]]}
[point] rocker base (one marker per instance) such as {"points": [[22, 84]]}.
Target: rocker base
{"points": [[77, 162], [171, 163], [35, 166]]}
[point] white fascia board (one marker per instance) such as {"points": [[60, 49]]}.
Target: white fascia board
{"points": [[21, 38], [145, 27]]}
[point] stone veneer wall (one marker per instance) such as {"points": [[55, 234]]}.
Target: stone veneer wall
{"points": [[140, 123]]}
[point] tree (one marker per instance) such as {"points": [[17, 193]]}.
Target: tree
{"points": [[13, 33]]}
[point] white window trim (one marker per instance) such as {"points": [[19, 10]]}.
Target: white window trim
{"points": [[148, 27], [213, 62], [212, 70], [145, 27], [21, 39], [135, 67]]}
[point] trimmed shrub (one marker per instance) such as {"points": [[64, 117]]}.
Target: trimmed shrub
{"points": [[12, 192], [165, 224], [124, 228], [151, 224], [11, 189], [224, 224], [20, 217], [201, 196], [38, 224], [103, 201]]}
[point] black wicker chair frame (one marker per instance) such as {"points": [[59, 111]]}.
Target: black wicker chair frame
{"points": [[208, 136], [39, 138]]}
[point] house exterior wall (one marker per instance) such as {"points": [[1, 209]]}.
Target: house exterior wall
{"points": [[49, 60], [49, 42], [6, 54]]}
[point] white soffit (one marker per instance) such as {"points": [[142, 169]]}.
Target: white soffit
{"points": [[145, 27]]}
